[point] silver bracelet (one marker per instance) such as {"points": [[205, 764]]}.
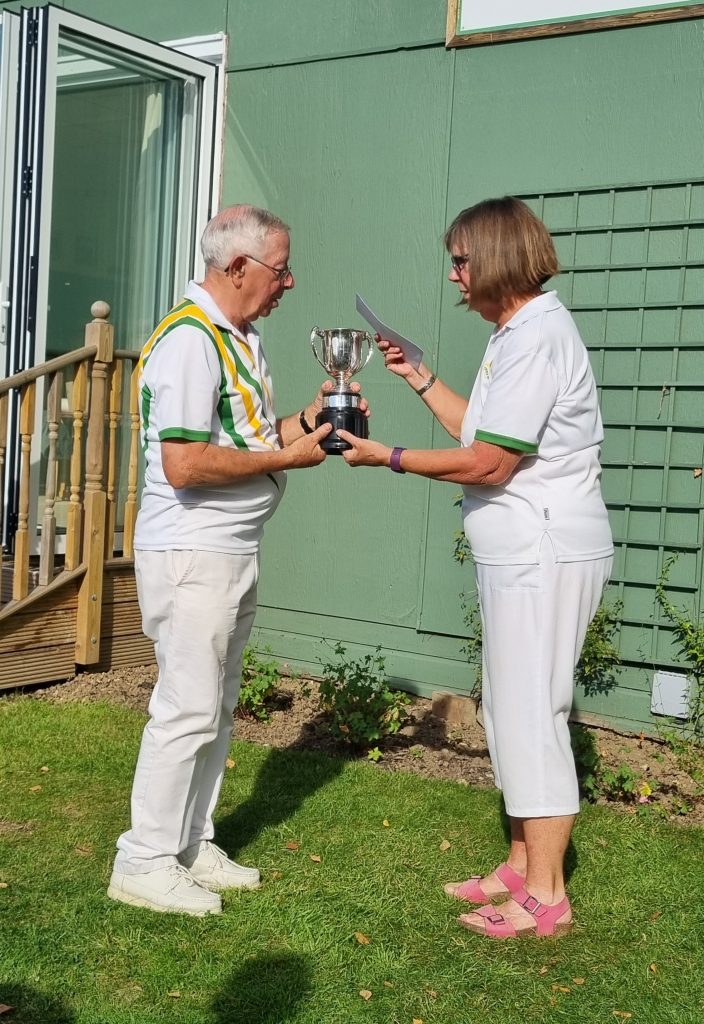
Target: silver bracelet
{"points": [[428, 384]]}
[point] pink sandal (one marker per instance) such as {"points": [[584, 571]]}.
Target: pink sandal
{"points": [[471, 892], [546, 917]]}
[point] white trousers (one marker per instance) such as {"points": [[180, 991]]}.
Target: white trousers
{"points": [[198, 607], [534, 620]]}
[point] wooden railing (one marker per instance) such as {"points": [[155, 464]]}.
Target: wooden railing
{"points": [[100, 409]]}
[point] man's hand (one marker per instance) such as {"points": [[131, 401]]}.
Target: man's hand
{"points": [[326, 387], [364, 452], [306, 450]]}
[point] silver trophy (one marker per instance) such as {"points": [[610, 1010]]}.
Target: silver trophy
{"points": [[342, 357]]}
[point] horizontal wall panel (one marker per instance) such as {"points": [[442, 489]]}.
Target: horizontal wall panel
{"points": [[40, 665], [625, 706], [125, 652], [120, 620], [44, 622], [179, 20], [348, 543], [35, 630], [280, 32], [119, 585], [650, 384]]}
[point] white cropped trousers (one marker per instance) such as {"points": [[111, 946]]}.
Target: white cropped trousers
{"points": [[198, 607], [534, 620]]}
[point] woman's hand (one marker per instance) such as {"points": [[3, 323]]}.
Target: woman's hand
{"points": [[395, 361], [364, 452]]}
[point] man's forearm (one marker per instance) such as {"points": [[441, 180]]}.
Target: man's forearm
{"points": [[289, 428], [198, 464]]}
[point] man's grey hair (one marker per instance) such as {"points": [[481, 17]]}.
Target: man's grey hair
{"points": [[236, 231]]}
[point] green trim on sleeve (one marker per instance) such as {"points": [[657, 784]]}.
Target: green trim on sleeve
{"points": [[506, 442], [146, 396], [183, 434]]}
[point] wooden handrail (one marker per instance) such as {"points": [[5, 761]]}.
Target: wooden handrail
{"points": [[81, 433], [18, 380]]}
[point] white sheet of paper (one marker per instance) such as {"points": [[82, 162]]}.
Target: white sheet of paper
{"points": [[411, 353]]}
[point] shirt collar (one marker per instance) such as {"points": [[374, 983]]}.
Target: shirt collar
{"points": [[196, 293], [540, 304]]}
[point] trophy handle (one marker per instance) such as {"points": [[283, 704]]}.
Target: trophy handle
{"points": [[371, 345], [317, 333]]}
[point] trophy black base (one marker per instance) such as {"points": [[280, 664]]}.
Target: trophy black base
{"points": [[350, 419]]}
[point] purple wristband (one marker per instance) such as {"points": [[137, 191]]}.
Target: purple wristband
{"points": [[395, 460]]}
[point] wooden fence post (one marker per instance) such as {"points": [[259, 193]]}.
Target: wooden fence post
{"points": [[99, 333]]}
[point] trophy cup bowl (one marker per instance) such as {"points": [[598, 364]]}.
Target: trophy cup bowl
{"points": [[342, 356]]}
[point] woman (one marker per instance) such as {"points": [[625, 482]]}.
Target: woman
{"points": [[539, 533]]}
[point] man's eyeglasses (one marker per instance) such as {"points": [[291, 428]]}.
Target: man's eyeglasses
{"points": [[459, 262], [280, 272]]}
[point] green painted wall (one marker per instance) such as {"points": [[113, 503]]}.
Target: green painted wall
{"points": [[368, 157], [355, 124]]}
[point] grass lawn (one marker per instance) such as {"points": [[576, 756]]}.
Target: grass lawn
{"points": [[291, 952]]}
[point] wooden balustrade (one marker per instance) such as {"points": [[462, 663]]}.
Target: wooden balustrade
{"points": [[114, 420], [79, 405], [132, 468], [99, 410], [20, 579], [53, 419]]}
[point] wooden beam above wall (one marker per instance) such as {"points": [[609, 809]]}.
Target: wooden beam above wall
{"points": [[526, 28]]}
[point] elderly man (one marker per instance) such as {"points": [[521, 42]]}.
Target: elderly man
{"points": [[216, 461]]}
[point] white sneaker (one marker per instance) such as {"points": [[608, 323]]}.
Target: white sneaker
{"points": [[169, 890], [211, 866]]}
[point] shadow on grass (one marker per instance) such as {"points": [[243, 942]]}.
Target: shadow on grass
{"points": [[33, 1007], [286, 778], [265, 990]]}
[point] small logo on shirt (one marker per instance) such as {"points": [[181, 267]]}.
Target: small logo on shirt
{"points": [[546, 513], [487, 370]]}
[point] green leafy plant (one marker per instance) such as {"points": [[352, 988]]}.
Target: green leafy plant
{"points": [[472, 647], [619, 783], [587, 761], [689, 637], [375, 755], [259, 679], [599, 661], [355, 693], [689, 754], [597, 779]]}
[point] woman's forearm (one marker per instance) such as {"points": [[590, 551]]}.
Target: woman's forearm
{"points": [[481, 464], [447, 407]]}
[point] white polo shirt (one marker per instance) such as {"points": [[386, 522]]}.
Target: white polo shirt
{"points": [[201, 379], [535, 392]]}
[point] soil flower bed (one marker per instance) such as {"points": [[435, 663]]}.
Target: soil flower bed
{"points": [[645, 776]]}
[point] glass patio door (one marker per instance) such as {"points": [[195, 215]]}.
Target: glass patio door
{"points": [[112, 186], [9, 72]]}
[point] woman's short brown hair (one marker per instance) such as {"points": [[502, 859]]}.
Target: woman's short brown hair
{"points": [[510, 250]]}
